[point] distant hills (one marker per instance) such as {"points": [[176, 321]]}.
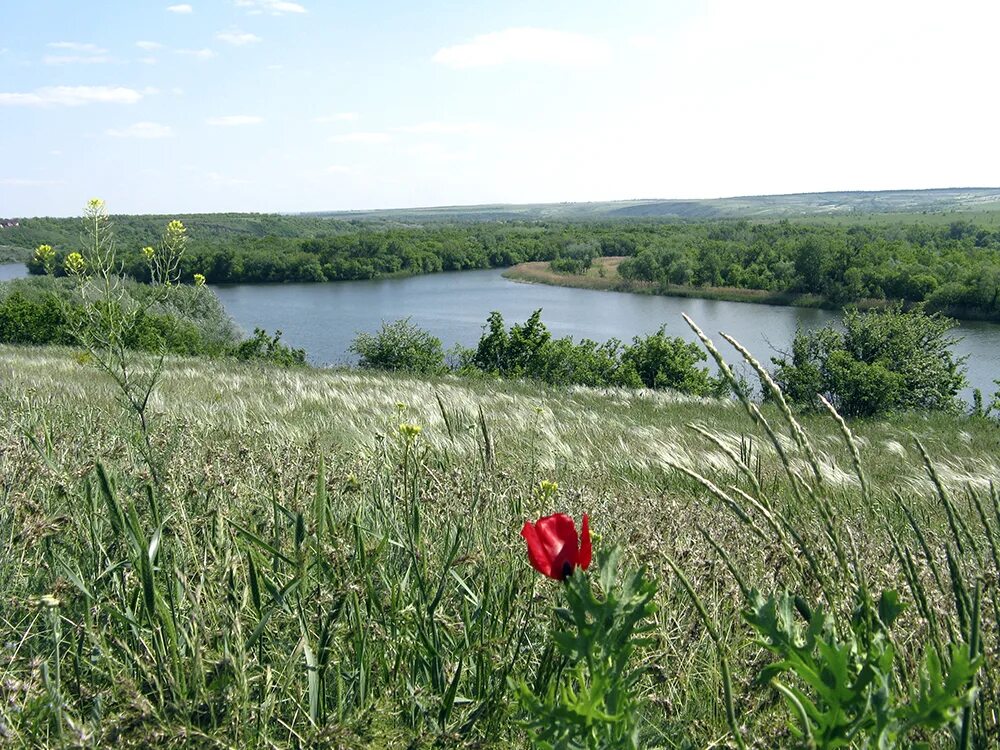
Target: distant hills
{"points": [[792, 205]]}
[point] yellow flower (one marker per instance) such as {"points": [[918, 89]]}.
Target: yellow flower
{"points": [[74, 264], [176, 227], [48, 600], [199, 279], [95, 204], [547, 490], [148, 252], [409, 431], [45, 255]]}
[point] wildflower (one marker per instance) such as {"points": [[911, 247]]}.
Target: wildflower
{"points": [[45, 255], [547, 488], [176, 228], [199, 279], [95, 205], [74, 264], [409, 431], [47, 600], [148, 253], [554, 549]]}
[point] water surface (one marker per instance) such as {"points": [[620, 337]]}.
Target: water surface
{"points": [[324, 318]]}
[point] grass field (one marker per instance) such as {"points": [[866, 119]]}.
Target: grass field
{"points": [[301, 574]]}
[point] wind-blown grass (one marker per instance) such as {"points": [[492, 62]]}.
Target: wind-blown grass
{"points": [[304, 574]]}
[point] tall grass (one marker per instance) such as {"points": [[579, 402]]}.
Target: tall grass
{"points": [[305, 574]]}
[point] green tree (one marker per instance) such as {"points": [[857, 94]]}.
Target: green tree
{"points": [[882, 361], [400, 345]]}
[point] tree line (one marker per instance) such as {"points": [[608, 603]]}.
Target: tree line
{"points": [[953, 268]]}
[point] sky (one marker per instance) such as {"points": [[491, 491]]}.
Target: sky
{"points": [[275, 105]]}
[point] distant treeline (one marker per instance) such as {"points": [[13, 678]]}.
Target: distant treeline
{"points": [[952, 267]]}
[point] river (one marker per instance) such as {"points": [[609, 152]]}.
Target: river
{"points": [[324, 318]]}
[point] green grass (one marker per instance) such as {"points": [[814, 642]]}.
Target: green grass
{"points": [[304, 576]]}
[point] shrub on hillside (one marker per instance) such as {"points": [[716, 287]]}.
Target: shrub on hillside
{"points": [[882, 361], [528, 350], [400, 345]]}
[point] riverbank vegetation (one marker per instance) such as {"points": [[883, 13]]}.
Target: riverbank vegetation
{"points": [[951, 266]]}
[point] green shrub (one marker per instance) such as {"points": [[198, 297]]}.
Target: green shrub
{"points": [[400, 345], [664, 362], [882, 361], [264, 348]]}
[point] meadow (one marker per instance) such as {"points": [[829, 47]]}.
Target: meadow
{"points": [[294, 570]]}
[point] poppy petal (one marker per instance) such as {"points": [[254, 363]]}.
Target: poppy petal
{"points": [[558, 534], [537, 554], [585, 550]]}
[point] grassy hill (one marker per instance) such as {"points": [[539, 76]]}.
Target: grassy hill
{"points": [[812, 205], [932, 206], [295, 539]]}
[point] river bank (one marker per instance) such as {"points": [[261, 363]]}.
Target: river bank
{"points": [[603, 276]]}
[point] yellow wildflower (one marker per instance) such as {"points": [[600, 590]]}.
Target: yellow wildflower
{"points": [[409, 431], [74, 264]]}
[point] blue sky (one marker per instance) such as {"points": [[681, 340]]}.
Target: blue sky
{"points": [[275, 105]]}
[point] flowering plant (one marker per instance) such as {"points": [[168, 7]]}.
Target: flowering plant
{"points": [[585, 698]]}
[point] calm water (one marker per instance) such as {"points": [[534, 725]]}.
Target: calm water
{"points": [[324, 318], [10, 271]]}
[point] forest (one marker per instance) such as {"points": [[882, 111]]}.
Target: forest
{"points": [[953, 267]]}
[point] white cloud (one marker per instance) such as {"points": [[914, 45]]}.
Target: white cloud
{"points": [[72, 96], [274, 7], [444, 128], [361, 138], [145, 130], [76, 59], [525, 45], [233, 120], [201, 54], [148, 46], [147, 60], [87, 49], [82, 54], [182, 8], [237, 38], [337, 117]]}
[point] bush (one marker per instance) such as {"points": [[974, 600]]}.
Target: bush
{"points": [[263, 348], [402, 346], [664, 362], [528, 350], [883, 361]]}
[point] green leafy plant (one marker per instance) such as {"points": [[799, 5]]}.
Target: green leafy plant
{"points": [[843, 688], [588, 701]]}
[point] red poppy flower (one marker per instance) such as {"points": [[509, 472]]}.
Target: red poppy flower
{"points": [[554, 549]]}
